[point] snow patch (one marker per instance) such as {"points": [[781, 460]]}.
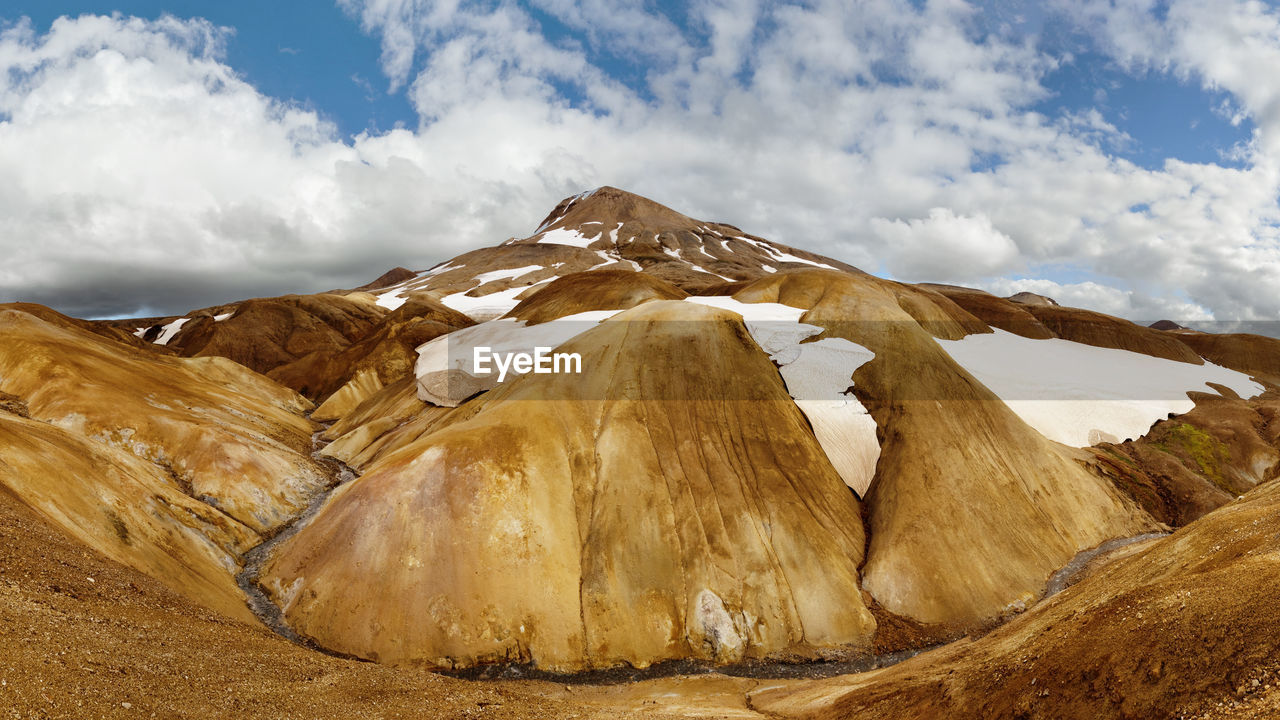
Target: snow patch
{"points": [[818, 376], [788, 257], [485, 307], [704, 270], [781, 256], [753, 312], [1080, 395], [606, 258], [509, 273], [821, 381], [562, 236], [442, 268], [572, 201], [170, 330], [223, 316], [391, 299]]}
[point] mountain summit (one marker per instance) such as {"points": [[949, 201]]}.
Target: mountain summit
{"points": [[606, 228], [609, 205]]}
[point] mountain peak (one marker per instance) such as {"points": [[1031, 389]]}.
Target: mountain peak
{"points": [[605, 229], [611, 207], [389, 278]]}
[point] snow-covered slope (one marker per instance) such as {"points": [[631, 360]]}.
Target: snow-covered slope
{"points": [[819, 376], [1081, 395], [603, 229]]}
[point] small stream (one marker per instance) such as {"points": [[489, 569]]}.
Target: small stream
{"points": [[255, 596], [1070, 573], [763, 670]]}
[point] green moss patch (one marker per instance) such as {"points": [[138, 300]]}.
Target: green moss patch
{"points": [[1208, 453]]}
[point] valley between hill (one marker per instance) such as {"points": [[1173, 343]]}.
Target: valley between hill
{"points": [[780, 487]]}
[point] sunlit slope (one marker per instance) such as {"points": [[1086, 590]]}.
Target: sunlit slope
{"points": [[970, 510], [224, 434], [1177, 622], [670, 504], [127, 509]]}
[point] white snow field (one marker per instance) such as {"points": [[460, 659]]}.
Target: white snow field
{"points": [[819, 380], [485, 307], [561, 236], [391, 299], [817, 375], [1080, 395], [170, 330]]}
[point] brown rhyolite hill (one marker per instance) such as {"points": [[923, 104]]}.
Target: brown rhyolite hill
{"points": [[227, 435], [170, 465], [1195, 462], [610, 229], [672, 505], [1169, 625], [85, 636], [951, 448], [748, 548], [598, 290], [1256, 355], [1035, 316]]}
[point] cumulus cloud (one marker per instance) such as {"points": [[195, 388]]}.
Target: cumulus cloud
{"points": [[139, 174], [945, 245], [136, 168], [1103, 298]]}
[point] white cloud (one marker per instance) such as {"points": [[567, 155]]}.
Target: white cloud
{"points": [[847, 128], [1101, 297], [138, 170], [944, 245]]}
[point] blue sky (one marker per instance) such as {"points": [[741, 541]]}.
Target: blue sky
{"points": [[1121, 156], [317, 55], [1164, 116], [312, 53]]}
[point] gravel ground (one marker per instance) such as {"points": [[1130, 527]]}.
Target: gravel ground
{"points": [[85, 637]]}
